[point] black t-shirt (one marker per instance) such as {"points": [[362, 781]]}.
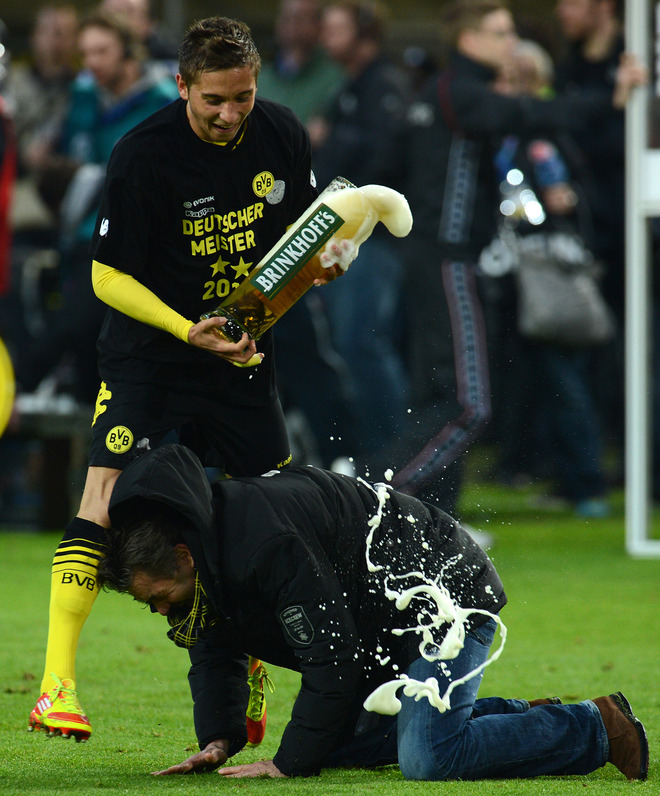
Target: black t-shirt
{"points": [[189, 220]]}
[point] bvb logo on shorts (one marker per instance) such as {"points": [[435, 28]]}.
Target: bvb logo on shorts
{"points": [[263, 183], [119, 439]]}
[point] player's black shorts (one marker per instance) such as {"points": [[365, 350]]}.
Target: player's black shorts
{"points": [[242, 440]]}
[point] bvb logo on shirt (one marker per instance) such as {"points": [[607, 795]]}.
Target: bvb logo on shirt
{"points": [[119, 439], [263, 183]]}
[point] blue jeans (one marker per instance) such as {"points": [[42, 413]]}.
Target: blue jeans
{"points": [[482, 738], [569, 420]]}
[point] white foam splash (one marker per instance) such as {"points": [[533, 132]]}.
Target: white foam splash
{"points": [[384, 699], [383, 495], [437, 608]]}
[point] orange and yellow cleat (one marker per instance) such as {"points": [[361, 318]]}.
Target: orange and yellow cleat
{"points": [[255, 716], [59, 712]]}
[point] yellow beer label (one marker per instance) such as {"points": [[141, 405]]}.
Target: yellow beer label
{"points": [[263, 183], [119, 439]]}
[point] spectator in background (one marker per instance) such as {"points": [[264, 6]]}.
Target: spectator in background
{"points": [[7, 175], [37, 87], [593, 33], [119, 88], [7, 171], [116, 89], [358, 138], [14, 454], [452, 189], [419, 65], [37, 93], [300, 75], [159, 42], [548, 423], [4, 55]]}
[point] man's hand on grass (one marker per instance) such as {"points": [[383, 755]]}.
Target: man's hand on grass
{"points": [[262, 768], [212, 756]]}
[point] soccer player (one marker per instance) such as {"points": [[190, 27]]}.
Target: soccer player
{"points": [[194, 197], [375, 597]]}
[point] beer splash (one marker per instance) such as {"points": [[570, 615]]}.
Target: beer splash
{"points": [[437, 608]]}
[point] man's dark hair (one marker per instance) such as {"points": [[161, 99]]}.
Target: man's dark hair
{"points": [[140, 545], [118, 27], [462, 15], [214, 44], [369, 17]]}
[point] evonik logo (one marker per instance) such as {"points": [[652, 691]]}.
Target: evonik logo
{"points": [[200, 201]]}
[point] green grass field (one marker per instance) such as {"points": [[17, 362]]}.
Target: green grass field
{"points": [[583, 620]]}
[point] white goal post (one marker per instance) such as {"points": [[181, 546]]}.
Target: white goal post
{"points": [[642, 203]]}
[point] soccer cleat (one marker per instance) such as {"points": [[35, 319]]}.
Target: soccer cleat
{"points": [[59, 712], [255, 716]]}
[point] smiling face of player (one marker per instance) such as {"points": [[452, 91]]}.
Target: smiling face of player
{"points": [[219, 102]]}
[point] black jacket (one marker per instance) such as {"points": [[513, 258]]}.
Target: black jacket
{"points": [[283, 559], [366, 119], [602, 147], [455, 125]]}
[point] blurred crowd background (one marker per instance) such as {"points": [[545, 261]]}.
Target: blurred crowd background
{"points": [[75, 76]]}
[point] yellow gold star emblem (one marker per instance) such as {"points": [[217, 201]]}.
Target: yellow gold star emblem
{"points": [[242, 268], [219, 266]]}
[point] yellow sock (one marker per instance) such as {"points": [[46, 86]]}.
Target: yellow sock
{"points": [[72, 594]]}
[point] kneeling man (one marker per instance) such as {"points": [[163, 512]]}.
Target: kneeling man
{"points": [[372, 596]]}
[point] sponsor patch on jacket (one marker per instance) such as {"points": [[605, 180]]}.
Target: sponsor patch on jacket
{"points": [[297, 625]]}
